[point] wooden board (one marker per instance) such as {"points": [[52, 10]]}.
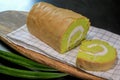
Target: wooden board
{"points": [[12, 20]]}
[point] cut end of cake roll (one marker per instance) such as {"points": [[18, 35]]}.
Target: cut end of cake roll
{"points": [[61, 29], [76, 32], [96, 55]]}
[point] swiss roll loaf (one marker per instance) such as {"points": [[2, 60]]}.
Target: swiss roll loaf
{"points": [[61, 29]]}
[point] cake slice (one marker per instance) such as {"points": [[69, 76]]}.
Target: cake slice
{"points": [[61, 29], [96, 55]]}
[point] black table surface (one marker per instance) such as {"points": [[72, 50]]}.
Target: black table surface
{"points": [[102, 14]]}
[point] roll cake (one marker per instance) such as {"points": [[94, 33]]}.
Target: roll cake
{"points": [[61, 29], [96, 55]]}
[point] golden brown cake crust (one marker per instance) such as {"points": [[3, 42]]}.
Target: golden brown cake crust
{"points": [[95, 66]]}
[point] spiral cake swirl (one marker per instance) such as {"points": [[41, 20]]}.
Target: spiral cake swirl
{"points": [[96, 55]]}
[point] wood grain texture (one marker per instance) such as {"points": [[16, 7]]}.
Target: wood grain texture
{"points": [[12, 20]]}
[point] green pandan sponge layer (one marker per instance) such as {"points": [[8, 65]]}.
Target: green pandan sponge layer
{"points": [[96, 55], [73, 36]]}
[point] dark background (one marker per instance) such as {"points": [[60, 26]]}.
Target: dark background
{"points": [[102, 13]]}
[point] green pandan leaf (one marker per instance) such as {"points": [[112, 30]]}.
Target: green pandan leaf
{"points": [[29, 74], [47, 72], [22, 61]]}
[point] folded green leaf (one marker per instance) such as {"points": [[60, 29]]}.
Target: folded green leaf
{"points": [[29, 74], [24, 61]]}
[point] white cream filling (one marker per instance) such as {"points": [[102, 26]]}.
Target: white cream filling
{"points": [[79, 28], [105, 50]]}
